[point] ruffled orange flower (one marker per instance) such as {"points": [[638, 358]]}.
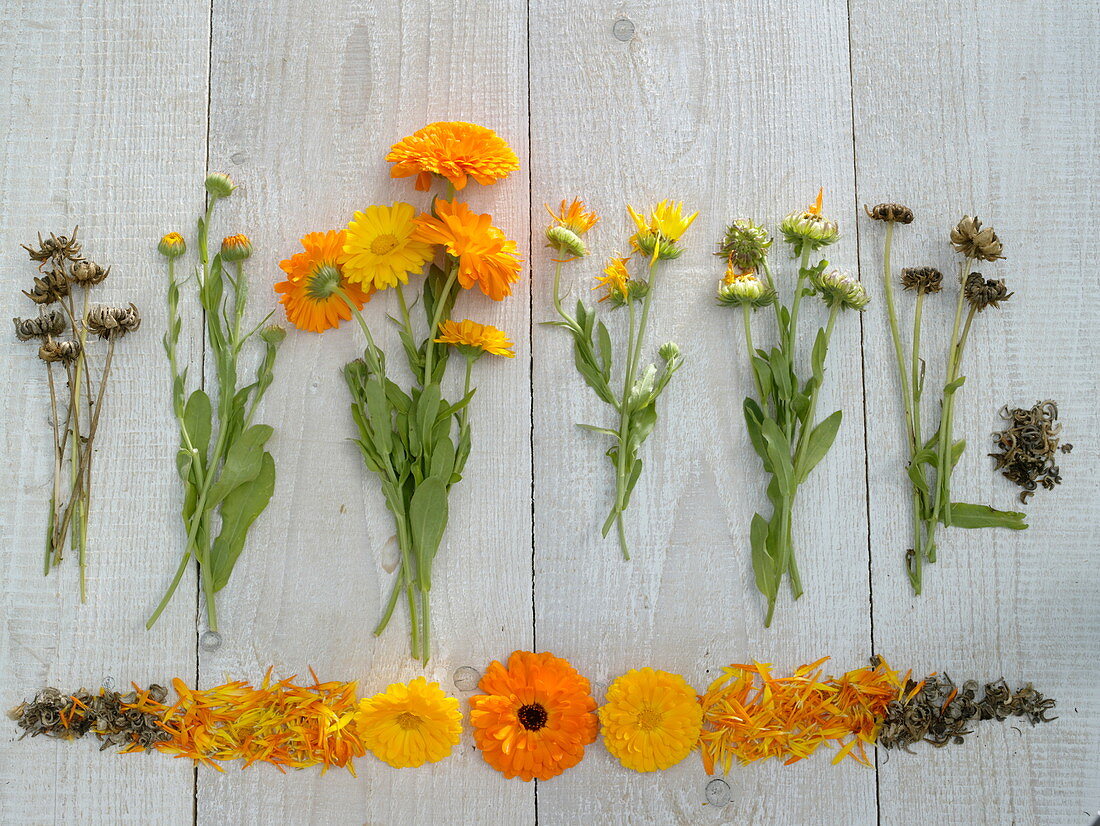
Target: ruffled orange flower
{"points": [[486, 257], [470, 336], [453, 150], [535, 717], [311, 293]]}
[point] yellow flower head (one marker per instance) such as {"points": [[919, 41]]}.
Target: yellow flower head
{"points": [[615, 280], [410, 724], [473, 339], [453, 150], [651, 719], [659, 231], [379, 249], [567, 227]]}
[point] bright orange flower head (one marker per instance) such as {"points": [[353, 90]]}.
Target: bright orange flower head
{"points": [[474, 339], [311, 293], [535, 717], [486, 257], [453, 150]]}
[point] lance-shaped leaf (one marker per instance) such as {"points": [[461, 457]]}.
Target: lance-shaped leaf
{"points": [[238, 511], [242, 463], [428, 521]]}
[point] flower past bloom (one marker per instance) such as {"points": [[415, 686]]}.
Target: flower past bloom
{"points": [[615, 281], [453, 150], [379, 248], [740, 287], [311, 293], [974, 241], [486, 257], [473, 339], [838, 287], [568, 226], [745, 244], [651, 719], [535, 717], [809, 229], [410, 724], [659, 231]]}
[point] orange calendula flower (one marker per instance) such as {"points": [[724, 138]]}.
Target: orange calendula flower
{"points": [[568, 226], [379, 247], [486, 257], [615, 279], [474, 339], [410, 724], [315, 278], [535, 717], [453, 150]]}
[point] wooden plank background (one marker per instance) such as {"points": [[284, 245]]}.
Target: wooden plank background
{"points": [[114, 111]]}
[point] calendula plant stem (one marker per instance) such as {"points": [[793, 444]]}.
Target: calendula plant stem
{"points": [[437, 317], [747, 312]]}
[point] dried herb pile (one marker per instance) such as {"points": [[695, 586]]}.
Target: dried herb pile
{"points": [[112, 717], [1027, 447]]}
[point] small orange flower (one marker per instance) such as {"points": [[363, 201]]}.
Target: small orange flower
{"points": [[453, 150], [486, 257], [311, 293], [535, 717], [615, 279], [469, 335], [575, 217]]}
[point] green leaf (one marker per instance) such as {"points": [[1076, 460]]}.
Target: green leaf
{"points": [[763, 565], [642, 423], [604, 339], [427, 407], [950, 388], [595, 429], [781, 372], [916, 476], [239, 510], [378, 409], [197, 423], [443, 458], [817, 361], [820, 440], [242, 463], [753, 417], [763, 373], [924, 456], [957, 451], [966, 515], [778, 453], [428, 521]]}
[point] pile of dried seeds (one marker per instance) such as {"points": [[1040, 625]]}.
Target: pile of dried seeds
{"points": [[108, 715], [1028, 446]]}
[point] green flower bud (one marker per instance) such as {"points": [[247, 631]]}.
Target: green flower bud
{"points": [[669, 351], [236, 247], [172, 245], [745, 244], [837, 287], [219, 185], [273, 334], [565, 241]]}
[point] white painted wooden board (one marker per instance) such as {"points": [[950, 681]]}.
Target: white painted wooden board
{"points": [[738, 109], [103, 120]]}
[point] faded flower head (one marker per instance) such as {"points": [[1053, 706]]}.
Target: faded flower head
{"points": [[745, 244], [740, 287], [56, 246], [108, 322], [615, 281], [659, 231], [891, 213], [50, 288], [50, 323], [809, 229], [922, 279], [219, 185], [971, 240], [236, 247], [273, 334], [172, 245], [568, 226], [88, 273], [59, 351], [838, 287], [982, 293]]}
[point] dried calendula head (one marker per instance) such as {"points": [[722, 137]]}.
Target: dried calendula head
{"points": [[969, 238], [65, 352], [922, 279], [107, 322], [891, 213], [982, 292], [51, 287], [88, 273], [50, 323], [56, 246]]}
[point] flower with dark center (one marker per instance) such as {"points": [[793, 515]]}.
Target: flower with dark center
{"points": [[50, 323], [891, 213], [532, 716], [922, 279], [971, 240], [982, 293]]}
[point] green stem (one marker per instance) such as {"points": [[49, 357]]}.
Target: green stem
{"points": [[804, 264], [624, 430], [437, 317], [942, 505], [895, 335], [747, 311], [804, 435]]}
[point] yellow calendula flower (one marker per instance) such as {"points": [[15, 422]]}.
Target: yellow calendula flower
{"points": [[472, 338], [651, 719], [569, 224], [410, 724], [615, 280], [660, 230], [379, 249]]}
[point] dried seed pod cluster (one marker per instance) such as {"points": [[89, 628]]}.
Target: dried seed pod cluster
{"points": [[108, 715], [1027, 447], [922, 279]]}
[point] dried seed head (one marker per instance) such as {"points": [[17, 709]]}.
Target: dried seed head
{"points": [[60, 247], [809, 229], [1028, 446], [50, 323], [106, 322], [971, 240], [892, 213], [51, 287], [838, 287], [982, 293], [922, 279], [88, 273], [65, 352]]}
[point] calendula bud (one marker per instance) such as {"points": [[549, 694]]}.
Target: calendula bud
{"points": [[172, 245], [236, 247], [669, 350], [837, 287], [971, 240], [219, 185], [273, 334], [809, 229], [743, 287], [565, 241], [745, 244]]}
